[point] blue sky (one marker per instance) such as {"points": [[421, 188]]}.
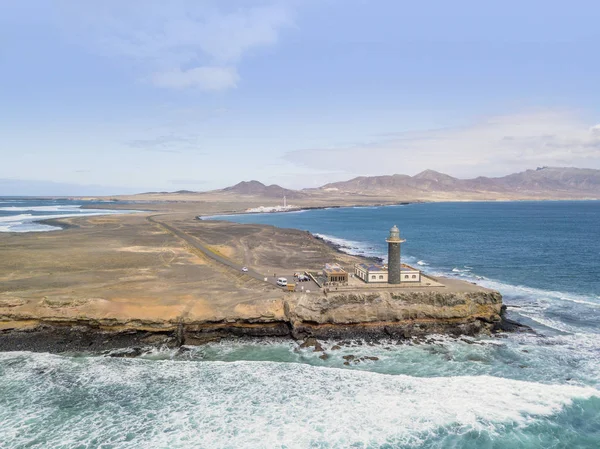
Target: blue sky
{"points": [[113, 96]]}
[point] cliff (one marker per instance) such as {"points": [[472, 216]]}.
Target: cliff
{"points": [[136, 280], [376, 314], [396, 314]]}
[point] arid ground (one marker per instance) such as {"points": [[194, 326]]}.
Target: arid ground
{"points": [[158, 268]]}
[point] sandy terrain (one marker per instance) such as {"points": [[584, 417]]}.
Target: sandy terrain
{"points": [[117, 267], [125, 267]]}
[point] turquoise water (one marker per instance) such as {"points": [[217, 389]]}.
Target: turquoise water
{"points": [[516, 391]]}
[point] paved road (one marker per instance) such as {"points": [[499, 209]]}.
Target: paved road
{"points": [[210, 254]]}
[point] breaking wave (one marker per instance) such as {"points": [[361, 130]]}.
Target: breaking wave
{"points": [[30, 222], [83, 401], [352, 247], [73, 208]]}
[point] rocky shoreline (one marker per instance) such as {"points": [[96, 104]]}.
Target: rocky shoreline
{"points": [[124, 281], [340, 248], [53, 338], [411, 316]]}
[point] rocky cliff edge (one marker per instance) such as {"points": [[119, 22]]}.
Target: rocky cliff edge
{"points": [[394, 313], [372, 314]]}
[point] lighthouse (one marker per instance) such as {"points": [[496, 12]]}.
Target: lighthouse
{"points": [[394, 241]]}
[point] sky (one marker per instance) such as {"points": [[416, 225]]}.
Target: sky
{"points": [[106, 97]]}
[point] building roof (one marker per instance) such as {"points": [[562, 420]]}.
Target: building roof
{"points": [[333, 268], [374, 267], [405, 267]]}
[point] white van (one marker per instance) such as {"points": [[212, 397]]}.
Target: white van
{"points": [[282, 282]]}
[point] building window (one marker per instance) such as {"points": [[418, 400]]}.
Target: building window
{"points": [[406, 276], [380, 277], [373, 277], [414, 276]]}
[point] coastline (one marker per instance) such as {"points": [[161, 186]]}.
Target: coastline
{"points": [[55, 222], [73, 321], [338, 247], [306, 208], [117, 206], [56, 216], [95, 339]]}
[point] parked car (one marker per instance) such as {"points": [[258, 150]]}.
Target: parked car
{"points": [[282, 282], [244, 269]]}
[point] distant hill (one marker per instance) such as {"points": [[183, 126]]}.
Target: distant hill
{"points": [[256, 188], [544, 181]]}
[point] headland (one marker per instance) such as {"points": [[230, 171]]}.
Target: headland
{"points": [[162, 276]]}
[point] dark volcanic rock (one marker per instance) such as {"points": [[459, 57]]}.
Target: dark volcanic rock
{"points": [[307, 343], [57, 339], [312, 342], [126, 352]]}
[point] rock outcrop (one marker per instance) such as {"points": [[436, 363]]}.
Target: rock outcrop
{"points": [[394, 313], [373, 314]]}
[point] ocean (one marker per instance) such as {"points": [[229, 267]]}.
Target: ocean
{"points": [[25, 214], [520, 390]]}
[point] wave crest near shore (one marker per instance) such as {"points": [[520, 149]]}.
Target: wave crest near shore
{"points": [[256, 404]]}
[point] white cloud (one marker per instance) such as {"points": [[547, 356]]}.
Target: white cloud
{"points": [[494, 146], [204, 78], [181, 44]]}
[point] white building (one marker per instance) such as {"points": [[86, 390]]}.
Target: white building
{"points": [[371, 273], [409, 274], [375, 273]]}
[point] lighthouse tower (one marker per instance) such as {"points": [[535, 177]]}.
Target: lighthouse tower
{"points": [[394, 241]]}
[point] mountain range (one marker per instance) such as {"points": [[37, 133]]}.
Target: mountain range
{"points": [[256, 188], [543, 182]]}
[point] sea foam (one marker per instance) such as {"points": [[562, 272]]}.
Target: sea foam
{"points": [[352, 247], [29, 222], [73, 208], [55, 401]]}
